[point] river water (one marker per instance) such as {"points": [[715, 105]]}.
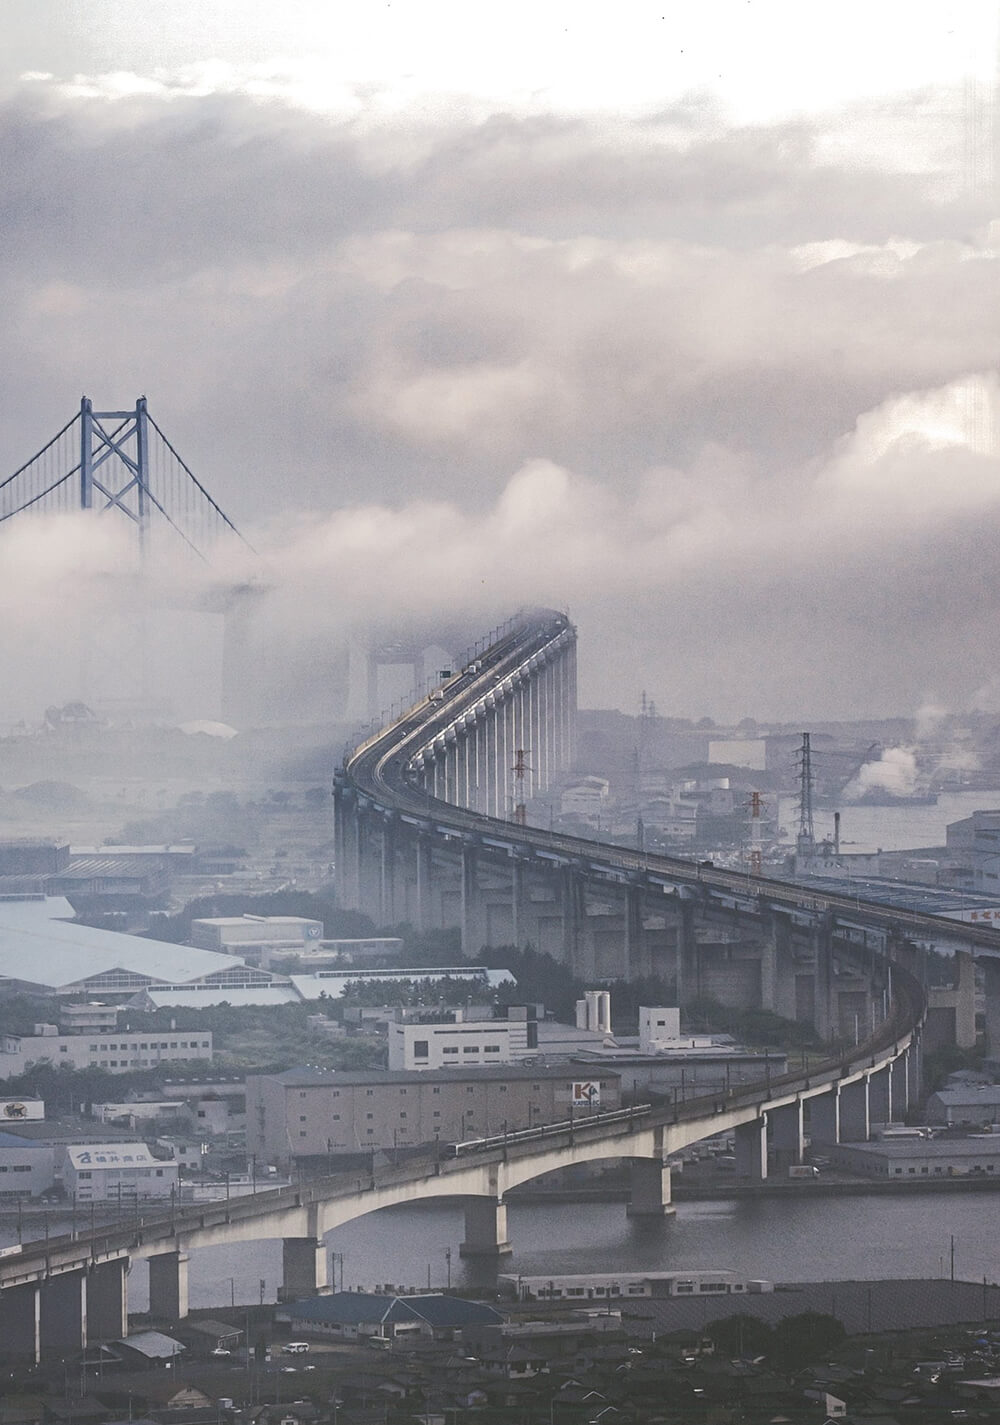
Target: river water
{"points": [[866, 828], [793, 1238]]}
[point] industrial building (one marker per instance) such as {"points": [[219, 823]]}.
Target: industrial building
{"points": [[27, 1166], [919, 1157], [255, 938], [119, 1053], [460, 1043], [322, 1112], [609, 1286], [965, 1105], [111, 1172], [43, 952]]}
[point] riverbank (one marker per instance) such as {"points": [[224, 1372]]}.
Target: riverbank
{"points": [[773, 1187]]}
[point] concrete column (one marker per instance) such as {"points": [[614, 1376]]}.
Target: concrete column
{"points": [[650, 1188], [824, 1117], [473, 937], [492, 730], [516, 898], [20, 1323], [880, 1106], [855, 1116], [901, 1086], [539, 774], [424, 878], [823, 1000], [168, 1286], [485, 1228], [483, 775], [965, 1006], [451, 769], [750, 1141], [303, 1267], [787, 1134], [558, 713], [506, 755], [769, 970], [570, 749], [633, 931], [107, 1301], [387, 873], [571, 894], [991, 997], [688, 960], [461, 770], [63, 1313]]}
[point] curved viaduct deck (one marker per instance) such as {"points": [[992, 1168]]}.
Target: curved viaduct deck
{"points": [[386, 769]]}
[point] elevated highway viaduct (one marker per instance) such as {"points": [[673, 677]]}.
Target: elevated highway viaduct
{"points": [[427, 831]]}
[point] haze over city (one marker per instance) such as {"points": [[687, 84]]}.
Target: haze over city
{"points": [[682, 318]]}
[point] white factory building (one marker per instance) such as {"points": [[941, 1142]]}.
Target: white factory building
{"points": [[42, 952], [461, 1044], [118, 1052], [107, 1172], [612, 1286]]}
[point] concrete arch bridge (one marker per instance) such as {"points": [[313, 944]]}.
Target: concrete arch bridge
{"points": [[59, 1294]]}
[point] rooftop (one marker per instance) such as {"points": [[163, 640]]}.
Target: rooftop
{"points": [[351, 1307], [39, 945], [308, 1077]]}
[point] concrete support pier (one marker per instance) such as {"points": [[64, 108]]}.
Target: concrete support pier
{"points": [[855, 1113], [788, 1140], [750, 1141], [991, 1003], [824, 1117], [650, 1189], [485, 1228], [107, 1301], [20, 1323], [63, 1314], [303, 1267], [168, 1286]]}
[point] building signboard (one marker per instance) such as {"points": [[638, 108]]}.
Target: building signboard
{"points": [[586, 1093]]}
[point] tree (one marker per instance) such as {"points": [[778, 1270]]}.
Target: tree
{"points": [[741, 1335], [800, 1340]]}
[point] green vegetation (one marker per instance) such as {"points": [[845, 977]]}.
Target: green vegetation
{"points": [[793, 1342], [760, 1028], [939, 1063], [337, 924]]}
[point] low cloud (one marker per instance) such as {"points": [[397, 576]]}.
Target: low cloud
{"points": [[724, 391]]}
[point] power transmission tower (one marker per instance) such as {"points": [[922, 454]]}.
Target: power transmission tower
{"points": [[806, 839]]}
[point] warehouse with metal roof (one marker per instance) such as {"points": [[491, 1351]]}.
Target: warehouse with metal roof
{"points": [[42, 951]]}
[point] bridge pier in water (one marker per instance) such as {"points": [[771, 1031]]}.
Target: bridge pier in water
{"points": [[485, 1228], [168, 1286], [650, 1189]]}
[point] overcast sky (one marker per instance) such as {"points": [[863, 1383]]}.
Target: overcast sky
{"points": [[682, 315]]}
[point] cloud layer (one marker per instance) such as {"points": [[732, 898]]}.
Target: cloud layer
{"points": [[724, 391]]}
